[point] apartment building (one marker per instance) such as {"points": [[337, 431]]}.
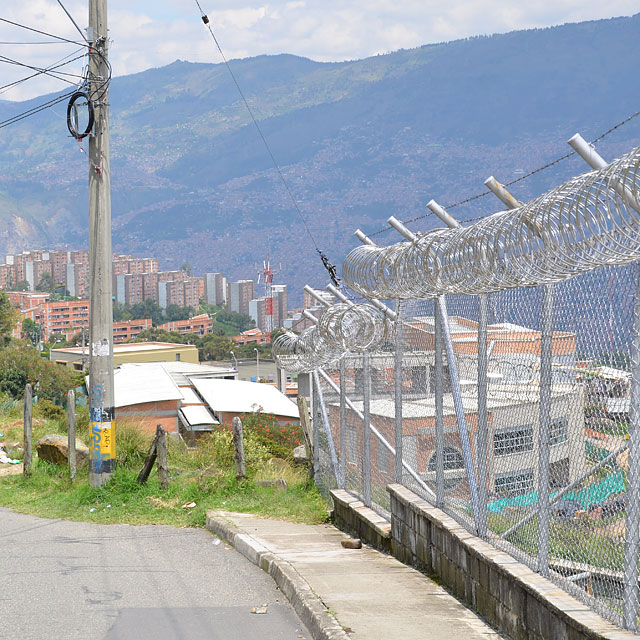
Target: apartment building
{"points": [[201, 324], [129, 329], [239, 294], [280, 304], [308, 301], [214, 288]]}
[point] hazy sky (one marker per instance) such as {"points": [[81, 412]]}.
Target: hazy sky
{"points": [[152, 33]]}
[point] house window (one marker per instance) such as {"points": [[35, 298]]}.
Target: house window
{"points": [[352, 444], [513, 440], [382, 457], [177, 357], [452, 459], [514, 483], [558, 430]]}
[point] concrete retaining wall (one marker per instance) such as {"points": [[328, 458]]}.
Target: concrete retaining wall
{"points": [[509, 595]]}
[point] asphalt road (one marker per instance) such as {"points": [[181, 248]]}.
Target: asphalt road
{"points": [[67, 580]]}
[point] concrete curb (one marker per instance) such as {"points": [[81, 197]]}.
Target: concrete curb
{"points": [[310, 609]]}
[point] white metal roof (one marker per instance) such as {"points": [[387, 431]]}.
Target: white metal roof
{"points": [[244, 397], [197, 416], [189, 396], [181, 371], [135, 384]]}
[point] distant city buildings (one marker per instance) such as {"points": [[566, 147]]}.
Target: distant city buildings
{"points": [[136, 280]]}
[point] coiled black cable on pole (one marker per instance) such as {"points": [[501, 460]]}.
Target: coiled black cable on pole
{"points": [[72, 116]]}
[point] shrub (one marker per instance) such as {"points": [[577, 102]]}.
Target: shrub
{"points": [[280, 440], [46, 409], [132, 443], [21, 364]]}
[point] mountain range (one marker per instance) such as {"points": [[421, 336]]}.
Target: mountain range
{"points": [[355, 141]]}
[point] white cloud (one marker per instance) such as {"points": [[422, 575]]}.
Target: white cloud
{"points": [[148, 33]]}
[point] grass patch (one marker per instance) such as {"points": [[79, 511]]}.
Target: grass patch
{"points": [[205, 476]]}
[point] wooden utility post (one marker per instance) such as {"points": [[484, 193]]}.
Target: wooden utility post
{"points": [[102, 459], [238, 445], [161, 462], [27, 445], [71, 432]]}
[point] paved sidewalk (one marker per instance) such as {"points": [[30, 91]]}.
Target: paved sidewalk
{"points": [[371, 595]]}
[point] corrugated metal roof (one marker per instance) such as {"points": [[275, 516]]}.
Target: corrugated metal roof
{"points": [[197, 416], [135, 384], [244, 397], [189, 396]]}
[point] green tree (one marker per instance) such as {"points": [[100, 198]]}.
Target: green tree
{"points": [[31, 331], [46, 283], [187, 268], [239, 321], [21, 364], [213, 347], [23, 285], [173, 312], [8, 318], [121, 312], [160, 335]]}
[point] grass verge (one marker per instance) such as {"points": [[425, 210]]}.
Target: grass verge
{"points": [[205, 477]]}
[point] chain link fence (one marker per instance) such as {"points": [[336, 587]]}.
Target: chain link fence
{"points": [[528, 448]]}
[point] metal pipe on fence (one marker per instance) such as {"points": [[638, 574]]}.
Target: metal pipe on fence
{"points": [[342, 481], [397, 384], [632, 514], [380, 437], [71, 432], [439, 408], [27, 430], [483, 423], [463, 429], [544, 445], [366, 434], [327, 427]]}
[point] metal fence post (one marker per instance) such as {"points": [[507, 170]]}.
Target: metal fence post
{"points": [[327, 427], [342, 482], [483, 426], [315, 424], [632, 517], [366, 432], [438, 377], [546, 355], [397, 381], [456, 391]]}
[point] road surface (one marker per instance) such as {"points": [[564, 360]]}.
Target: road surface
{"points": [[76, 580]]}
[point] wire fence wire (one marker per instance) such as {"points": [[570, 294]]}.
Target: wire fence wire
{"points": [[549, 441]]}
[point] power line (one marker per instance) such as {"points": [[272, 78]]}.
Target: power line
{"points": [[60, 63], [30, 43], [46, 71], [73, 22], [43, 33], [37, 109], [328, 266]]}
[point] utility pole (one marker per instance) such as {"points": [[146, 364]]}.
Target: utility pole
{"points": [[102, 458]]}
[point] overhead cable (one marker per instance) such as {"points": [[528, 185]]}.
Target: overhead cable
{"points": [[331, 269]]}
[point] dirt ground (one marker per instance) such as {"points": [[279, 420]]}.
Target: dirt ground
{"points": [[10, 469]]}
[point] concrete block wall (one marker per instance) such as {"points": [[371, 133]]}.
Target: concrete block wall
{"points": [[350, 515], [514, 599]]}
